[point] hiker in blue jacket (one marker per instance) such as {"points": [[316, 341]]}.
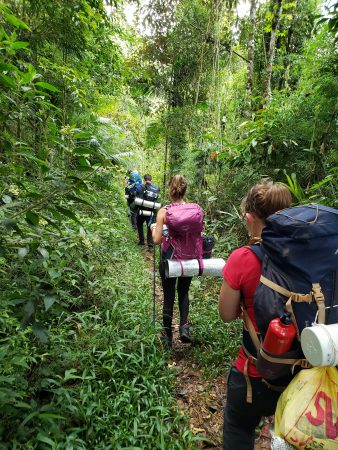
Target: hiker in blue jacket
{"points": [[132, 188]]}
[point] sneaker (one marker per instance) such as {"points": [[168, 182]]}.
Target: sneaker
{"points": [[185, 334]]}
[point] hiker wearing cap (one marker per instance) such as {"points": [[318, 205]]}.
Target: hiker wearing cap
{"points": [[249, 398], [149, 192], [181, 225]]}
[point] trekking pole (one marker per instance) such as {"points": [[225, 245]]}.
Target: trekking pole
{"points": [[154, 291]]}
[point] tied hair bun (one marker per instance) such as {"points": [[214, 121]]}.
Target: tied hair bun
{"points": [[177, 187]]}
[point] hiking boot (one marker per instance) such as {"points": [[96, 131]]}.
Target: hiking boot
{"points": [[150, 246], [185, 334], [167, 341]]}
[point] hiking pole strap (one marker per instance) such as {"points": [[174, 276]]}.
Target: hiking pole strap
{"points": [[251, 329], [154, 287]]}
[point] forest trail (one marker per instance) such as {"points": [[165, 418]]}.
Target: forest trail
{"points": [[200, 397]]}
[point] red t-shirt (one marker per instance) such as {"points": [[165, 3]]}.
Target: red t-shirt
{"points": [[242, 272]]}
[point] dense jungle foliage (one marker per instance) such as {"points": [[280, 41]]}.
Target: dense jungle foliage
{"points": [[193, 87]]}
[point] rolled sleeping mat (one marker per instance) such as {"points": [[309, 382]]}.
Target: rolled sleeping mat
{"points": [[145, 213], [188, 268], [146, 203], [320, 344]]}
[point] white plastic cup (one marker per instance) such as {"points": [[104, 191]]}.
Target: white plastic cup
{"points": [[320, 344], [146, 203]]}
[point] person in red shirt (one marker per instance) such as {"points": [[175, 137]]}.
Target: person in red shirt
{"points": [[249, 397]]}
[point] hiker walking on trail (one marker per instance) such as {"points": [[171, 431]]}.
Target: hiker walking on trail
{"points": [[132, 189], [241, 278], [181, 224], [149, 192]]}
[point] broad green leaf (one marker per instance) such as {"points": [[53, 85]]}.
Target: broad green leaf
{"points": [[40, 162], [44, 252], [19, 44], [82, 135], [45, 439], [12, 225], [84, 162], [40, 332], [17, 23], [8, 81], [47, 86], [29, 308], [80, 200], [22, 252], [49, 300], [68, 213], [6, 198], [5, 66], [70, 375], [49, 415], [51, 222], [32, 218], [28, 76], [53, 273]]}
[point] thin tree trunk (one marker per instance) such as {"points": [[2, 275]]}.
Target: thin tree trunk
{"points": [[165, 163], [272, 48], [251, 48]]}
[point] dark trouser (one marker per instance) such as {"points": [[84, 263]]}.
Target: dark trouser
{"points": [[133, 219], [140, 222], [169, 288], [133, 213], [240, 417]]}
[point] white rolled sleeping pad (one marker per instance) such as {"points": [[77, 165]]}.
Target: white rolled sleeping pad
{"points": [[145, 213], [190, 267], [320, 344], [146, 203]]}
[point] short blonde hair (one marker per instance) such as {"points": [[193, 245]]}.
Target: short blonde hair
{"points": [[266, 198]]}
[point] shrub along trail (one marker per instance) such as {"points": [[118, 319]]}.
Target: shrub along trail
{"points": [[199, 394]]}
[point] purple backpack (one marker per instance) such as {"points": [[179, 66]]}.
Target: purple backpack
{"points": [[185, 225]]}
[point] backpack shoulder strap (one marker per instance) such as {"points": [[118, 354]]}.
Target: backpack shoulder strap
{"points": [[257, 250]]}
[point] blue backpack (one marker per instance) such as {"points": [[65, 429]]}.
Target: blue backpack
{"points": [[134, 185], [299, 255]]}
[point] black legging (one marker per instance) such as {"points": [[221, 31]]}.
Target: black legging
{"points": [[169, 288]]}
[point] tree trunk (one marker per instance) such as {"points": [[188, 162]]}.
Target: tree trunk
{"points": [[277, 4], [251, 49]]}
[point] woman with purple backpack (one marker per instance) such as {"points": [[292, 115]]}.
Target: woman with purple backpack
{"points": [[178, 229]]}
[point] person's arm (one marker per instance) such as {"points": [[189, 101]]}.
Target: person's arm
{"points": [[156, 229], [229, 305]]}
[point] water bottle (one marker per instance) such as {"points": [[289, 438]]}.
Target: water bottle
{"points": [[165, 231], [280, 335]]}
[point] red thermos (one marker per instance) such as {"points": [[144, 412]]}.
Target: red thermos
{"points": [[280, 335]]}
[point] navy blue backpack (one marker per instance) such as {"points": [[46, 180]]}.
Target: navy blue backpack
{"points": [[299, 254]]}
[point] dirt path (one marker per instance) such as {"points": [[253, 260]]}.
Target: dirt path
{"points": [[202, 398]]}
